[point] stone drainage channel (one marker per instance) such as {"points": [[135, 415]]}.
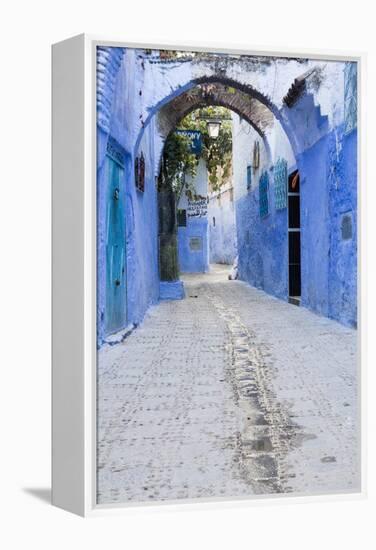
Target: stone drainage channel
{"points": [[268, 432]]}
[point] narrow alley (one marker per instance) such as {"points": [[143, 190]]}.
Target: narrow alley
{"points": [[229, 392]]}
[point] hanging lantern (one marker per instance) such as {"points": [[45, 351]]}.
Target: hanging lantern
{"points": [[213, 126]]}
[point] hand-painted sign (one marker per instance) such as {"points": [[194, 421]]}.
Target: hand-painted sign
{"points": [[197, 208], [195, 140], [139, 171]]}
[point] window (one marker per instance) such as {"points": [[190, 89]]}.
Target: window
{"points": [[280, 184], [182, 218]]}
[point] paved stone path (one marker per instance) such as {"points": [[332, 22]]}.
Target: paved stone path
{"points": [[227, 393]]}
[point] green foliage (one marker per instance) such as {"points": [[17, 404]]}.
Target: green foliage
{"points": [[217, 153], [178, 161]]}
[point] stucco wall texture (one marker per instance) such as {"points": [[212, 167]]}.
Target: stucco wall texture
{"points": [[223, 247], [194, 255], [133, 85], [262, 242], [328, 192]]}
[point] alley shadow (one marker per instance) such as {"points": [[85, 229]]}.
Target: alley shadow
{"points": [[41, 493]]}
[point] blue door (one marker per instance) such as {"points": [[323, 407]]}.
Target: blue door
{"points": [[115, 315]]}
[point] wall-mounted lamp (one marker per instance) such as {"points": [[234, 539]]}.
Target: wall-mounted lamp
{"points": [[213, 126]]}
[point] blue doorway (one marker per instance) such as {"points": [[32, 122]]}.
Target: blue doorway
{"points": [[116, 295]]}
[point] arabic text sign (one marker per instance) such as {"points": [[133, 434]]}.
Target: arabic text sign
{"points": [[197, 208]]}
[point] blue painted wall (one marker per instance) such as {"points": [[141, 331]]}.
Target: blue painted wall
{"points": [[222, 232], [193, 261], [315, 228], [262, 244], [141, 228], [102, 189], [328, 191], [343, 252], [142, 244]]}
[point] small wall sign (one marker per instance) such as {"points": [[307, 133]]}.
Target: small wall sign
{"points": [[139, 172], [195, 244], [195, 140], [197, 208]]}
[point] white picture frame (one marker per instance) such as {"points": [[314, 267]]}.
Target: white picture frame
{"points": [[74, 270]]}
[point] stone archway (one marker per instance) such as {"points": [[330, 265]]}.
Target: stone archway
{"points": [[217, 94], [252, 105], [142, 95], [252, 77], [213, 93]]}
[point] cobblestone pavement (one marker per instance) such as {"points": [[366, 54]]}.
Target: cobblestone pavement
{"points": [[227, 393]]}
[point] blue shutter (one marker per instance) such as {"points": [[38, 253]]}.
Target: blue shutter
{"points": [[115, 313], [280, 184], [263, 194]]}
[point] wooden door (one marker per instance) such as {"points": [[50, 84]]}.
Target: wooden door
{"points": [[116, 315]]}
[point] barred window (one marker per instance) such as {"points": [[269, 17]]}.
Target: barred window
{"points": [[182, 218], [280, 184]]}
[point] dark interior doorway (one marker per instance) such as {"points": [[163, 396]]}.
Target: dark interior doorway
{"points": [[294, 238]]}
